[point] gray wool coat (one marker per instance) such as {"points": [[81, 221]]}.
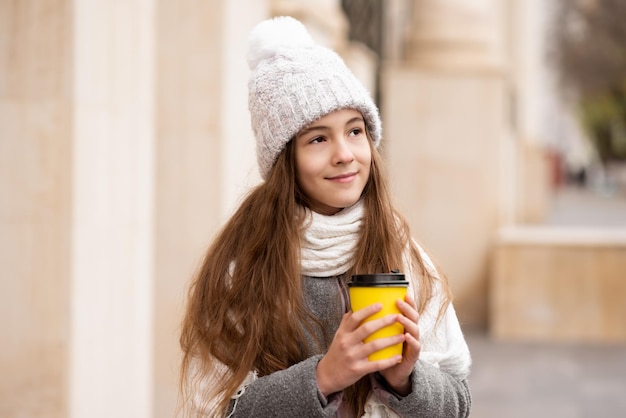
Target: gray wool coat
{"points": [[293, 392]]}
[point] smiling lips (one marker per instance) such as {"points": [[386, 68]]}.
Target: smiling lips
{"points": [[343, 178]]}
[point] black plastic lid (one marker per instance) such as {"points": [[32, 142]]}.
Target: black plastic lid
{"points": [[378, 279]]}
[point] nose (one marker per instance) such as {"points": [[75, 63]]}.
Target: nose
{"points": [[342, 152]]}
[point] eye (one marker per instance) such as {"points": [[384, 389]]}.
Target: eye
{"points": [[355, 132], [316, 140]]}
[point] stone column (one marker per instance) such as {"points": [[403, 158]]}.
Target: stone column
{"points": [[77, 188], [452, 35], [444, 116], [206, 155], [35, 206], [536, 105], [112, 212]]}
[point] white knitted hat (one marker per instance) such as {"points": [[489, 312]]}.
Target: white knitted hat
{"points": [[294, 82]]}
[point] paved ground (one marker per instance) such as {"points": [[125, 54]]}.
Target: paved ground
{"points": [[586, 207], [530, 380]]}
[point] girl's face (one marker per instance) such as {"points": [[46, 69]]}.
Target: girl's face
{"points": [[333, 158]]}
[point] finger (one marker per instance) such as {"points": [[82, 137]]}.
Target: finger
{"points": [[352, 320], [366, 312], [412, 348], [407, 310], [381, 343], [409, 319], [408, 298], [369, 327], [384, 364], [410, 326]]}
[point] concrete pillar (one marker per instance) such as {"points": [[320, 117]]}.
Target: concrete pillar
{"points": [[188, 167], [76, 135], [452, 35], [444, 116], [112, 212], [35, 207], [535, 104], [206, 155]]}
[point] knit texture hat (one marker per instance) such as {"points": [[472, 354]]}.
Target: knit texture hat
{"points": [[294, 82]]}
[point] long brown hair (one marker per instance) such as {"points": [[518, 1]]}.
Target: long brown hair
{"points": [[245, 308]]}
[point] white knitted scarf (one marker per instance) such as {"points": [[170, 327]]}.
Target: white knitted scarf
{"points": [[330, 241]]}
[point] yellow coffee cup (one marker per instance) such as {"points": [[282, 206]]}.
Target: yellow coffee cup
{"points": [[386, 289]]}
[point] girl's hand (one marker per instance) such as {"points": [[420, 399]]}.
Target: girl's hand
{"points": [[398, 376], [346, 360]]}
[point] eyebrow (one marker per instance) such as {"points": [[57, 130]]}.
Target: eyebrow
{"points": [[325, 128]]}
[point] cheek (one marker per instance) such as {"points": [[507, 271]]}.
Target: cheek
{"points": [[366, 164], [365, 157], [305, 171], [307, 165]]}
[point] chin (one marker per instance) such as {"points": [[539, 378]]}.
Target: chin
{"points": [[346, 203]]}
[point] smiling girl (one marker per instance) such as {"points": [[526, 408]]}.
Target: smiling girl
{"points": [[268, 330]]}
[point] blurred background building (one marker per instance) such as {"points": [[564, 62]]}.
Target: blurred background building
{"points": [[125, 143]]}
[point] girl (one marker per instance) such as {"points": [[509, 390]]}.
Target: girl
{"points": [[268, 331]]}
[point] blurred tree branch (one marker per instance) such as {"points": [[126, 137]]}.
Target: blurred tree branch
{"points": [[589, 52]]}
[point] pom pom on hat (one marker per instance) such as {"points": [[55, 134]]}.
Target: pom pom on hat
{"points": [[271, 36], [294, 82]]}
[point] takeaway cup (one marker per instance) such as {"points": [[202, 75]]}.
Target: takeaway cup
{"points": [[384, 288]]}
